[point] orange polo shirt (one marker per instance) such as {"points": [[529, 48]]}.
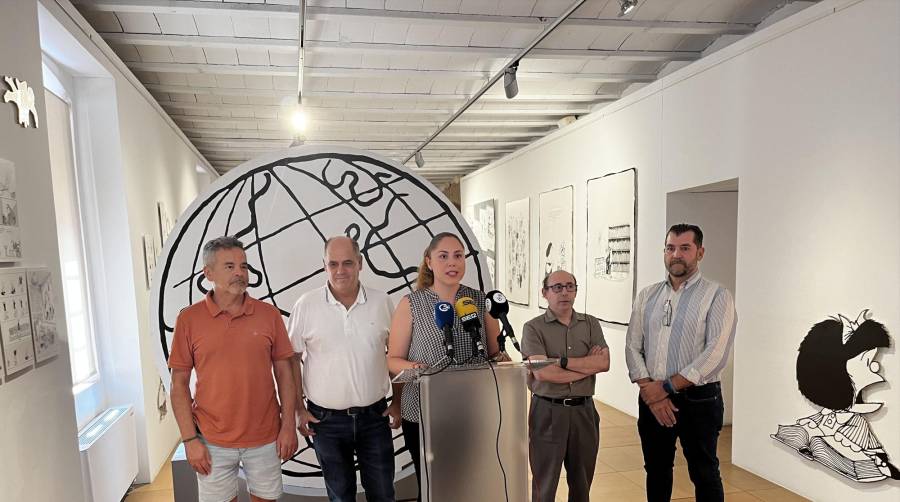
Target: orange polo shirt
{"points": [[234, 400]]}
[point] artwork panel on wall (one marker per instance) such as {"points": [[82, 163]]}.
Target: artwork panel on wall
{"points": [[484, 217], [555, 232], [10, 235], [15, 322], [164, 222], [518, 251], [611, 246], [150, 255], [837, 361], [43, 313]]}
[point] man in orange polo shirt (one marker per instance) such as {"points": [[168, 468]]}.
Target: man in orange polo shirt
{"points": [[233, 342]]}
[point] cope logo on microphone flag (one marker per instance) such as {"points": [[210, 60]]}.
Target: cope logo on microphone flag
{"points": [[497, 297], [444, 307]]}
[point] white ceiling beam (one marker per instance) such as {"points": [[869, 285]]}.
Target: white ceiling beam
{"points": [[345, 95], [315, 111], [318, 72], [363, 135], [367, 123], [265, 145], [501, 52], [440, 153], [406, 17], [326, 47]]}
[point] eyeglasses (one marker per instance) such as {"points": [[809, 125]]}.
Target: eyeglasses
{"points": [[558, 288]]}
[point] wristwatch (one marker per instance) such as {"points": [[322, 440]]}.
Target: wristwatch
{"points": [[669, 388], [563, 362]]}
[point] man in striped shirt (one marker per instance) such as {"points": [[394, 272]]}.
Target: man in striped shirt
{"points": [[678, 342]]}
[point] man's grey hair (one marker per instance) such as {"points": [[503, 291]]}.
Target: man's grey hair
{"points": [[352, 243], [213, 246]]}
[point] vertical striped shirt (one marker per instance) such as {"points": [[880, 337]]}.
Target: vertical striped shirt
{"points": [[697, 340]]}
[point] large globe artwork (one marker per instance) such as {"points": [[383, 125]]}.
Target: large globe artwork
{"points": [[283, 206]]}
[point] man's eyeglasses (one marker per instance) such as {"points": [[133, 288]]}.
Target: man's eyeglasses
{"points": [[558, 288]]}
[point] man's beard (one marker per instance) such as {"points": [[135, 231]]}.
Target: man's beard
{"points": [[685, 270]]}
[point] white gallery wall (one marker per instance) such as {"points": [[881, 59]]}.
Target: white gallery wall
{"points": [[806, 115], [140, 159], [37, 413]]}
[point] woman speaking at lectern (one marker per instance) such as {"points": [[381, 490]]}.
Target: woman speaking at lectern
{"points": [[416, 341]]}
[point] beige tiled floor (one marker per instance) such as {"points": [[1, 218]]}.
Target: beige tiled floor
{"points": [[619, 475]]}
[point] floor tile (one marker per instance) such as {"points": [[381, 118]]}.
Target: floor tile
{"points": [[777, 495]]}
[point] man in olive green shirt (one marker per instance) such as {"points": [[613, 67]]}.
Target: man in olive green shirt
{"points": [[563, 425]]}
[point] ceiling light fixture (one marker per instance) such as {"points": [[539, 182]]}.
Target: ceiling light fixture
{"points": [[510, 85], [420, 161], [299, 119], [627, 6]]}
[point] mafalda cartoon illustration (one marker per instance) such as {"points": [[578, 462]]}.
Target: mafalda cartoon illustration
{"points": [[837, 360]]}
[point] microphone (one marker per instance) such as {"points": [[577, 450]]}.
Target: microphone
{"points": [[468, 316], [444, 317], [498, 307]]}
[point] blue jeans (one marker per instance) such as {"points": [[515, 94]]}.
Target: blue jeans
{"points": [[698, 422], [367, 434]]}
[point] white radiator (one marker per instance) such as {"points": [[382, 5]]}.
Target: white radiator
{"points": [[109, 458]]}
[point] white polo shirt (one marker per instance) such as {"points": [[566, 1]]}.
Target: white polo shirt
{"points": [[344, 350]]}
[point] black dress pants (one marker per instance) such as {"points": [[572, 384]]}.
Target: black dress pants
{"points": [[698, 423]]}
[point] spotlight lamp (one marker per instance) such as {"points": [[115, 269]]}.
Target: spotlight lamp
{"points": [[420, 161], [627, 6], [298, 120], [510, 85]]}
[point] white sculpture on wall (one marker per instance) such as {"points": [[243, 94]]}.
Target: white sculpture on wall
{"points": [[23, 96]]}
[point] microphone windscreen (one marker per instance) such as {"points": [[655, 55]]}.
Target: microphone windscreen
{"points": [[465, 307], [443, 314], [496, 304]]}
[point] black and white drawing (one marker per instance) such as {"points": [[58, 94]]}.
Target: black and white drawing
{"points": [[10, 236], [836, 363], [150, 255], [43, 313], [611, 251], [15, 322], [555, 232], [283, 206], [164, 222], [484, 216], [518, 252]]}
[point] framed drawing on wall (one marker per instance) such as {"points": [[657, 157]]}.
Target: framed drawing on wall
{"points": [[518, 252], [611, 246], [10, 236], [43, 313], [555, 232], [15, 322], [484, 217]]}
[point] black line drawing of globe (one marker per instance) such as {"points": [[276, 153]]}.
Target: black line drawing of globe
{"points": [[283, 206]]}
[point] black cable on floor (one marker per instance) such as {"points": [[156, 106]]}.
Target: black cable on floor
{"points": [[499, 428]]}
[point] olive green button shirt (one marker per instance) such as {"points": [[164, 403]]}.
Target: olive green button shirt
{"points": [[546, 335]]}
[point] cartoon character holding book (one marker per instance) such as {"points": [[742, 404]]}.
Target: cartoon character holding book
{"points": [[836, 361]]}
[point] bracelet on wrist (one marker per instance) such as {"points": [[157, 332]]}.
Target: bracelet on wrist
{"points": [[188, 440]]}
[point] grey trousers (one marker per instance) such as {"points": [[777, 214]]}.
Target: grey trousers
{"points": [[562, 435]]}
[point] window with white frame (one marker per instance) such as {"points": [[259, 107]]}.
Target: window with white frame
{"points": [[76, 290]]}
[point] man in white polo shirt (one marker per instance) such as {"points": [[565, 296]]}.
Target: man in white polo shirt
{"points": [[340, 334]]}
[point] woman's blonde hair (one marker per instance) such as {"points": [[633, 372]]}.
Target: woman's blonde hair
{"points": [[426, 275]]}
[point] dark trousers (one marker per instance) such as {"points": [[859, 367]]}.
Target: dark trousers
{"points": [[411, 438], [698, 422], [562, 435], [366, 433]]}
